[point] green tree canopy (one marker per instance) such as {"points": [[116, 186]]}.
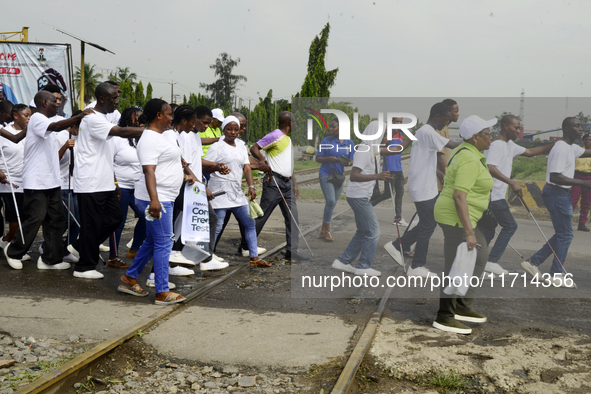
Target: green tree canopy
{"points": [[149, 91], [91, 81], [223, 89], [140, 99]]}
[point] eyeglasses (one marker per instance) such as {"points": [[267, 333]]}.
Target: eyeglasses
{"points": [[243, 126]]}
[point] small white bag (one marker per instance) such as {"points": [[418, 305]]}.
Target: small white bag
{"points": [[463, 265]]}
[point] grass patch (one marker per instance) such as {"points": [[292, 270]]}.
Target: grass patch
{"points": [[448, 381], [27, 376], [530, 168], [315, 194], [305, 165]]}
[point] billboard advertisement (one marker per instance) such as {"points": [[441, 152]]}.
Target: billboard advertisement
{"points": [[26, 68]]}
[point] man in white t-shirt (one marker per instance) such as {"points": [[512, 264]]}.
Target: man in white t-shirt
{"points": [[42, 186], [422, 187], [499, 158], [98, 202], [559, 179], [114, 116]]}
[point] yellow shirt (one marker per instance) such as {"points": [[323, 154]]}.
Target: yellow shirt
{"points": [[583, 164], [210, 133], [444, 132]]}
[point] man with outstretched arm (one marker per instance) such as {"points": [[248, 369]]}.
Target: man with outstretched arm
{"points": [[42, 186], [499, 158]]}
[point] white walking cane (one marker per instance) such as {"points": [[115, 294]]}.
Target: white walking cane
{"points": [[18, 216]]}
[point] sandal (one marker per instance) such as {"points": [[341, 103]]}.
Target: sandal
{"points": [[260, 263], [116, 262], [134, 290], [328, 237], [171, 298]]}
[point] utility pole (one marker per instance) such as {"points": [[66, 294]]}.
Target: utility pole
{"points": [[172, 90], [248, 129], [521, 105]]}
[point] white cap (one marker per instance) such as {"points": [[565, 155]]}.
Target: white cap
{"points": [[474, 124], [229, 120], [32, 104], [218, 114]]}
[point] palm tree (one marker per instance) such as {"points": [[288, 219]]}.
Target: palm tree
{"points": [[124, 74], [91, 81]]}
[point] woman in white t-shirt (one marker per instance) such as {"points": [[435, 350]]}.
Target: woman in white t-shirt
{"points": [[364, 175], [235, 156], [155, 192], [128, 171], [13, 153]]}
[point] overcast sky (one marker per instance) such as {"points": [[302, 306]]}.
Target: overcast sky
{"points": [[463, 48]]}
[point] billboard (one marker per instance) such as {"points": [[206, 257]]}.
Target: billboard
{"points": [[26, 68]]}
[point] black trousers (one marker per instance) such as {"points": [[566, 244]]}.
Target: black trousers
{"points": [[179, 204], [41, 208], [269, 200], [453, 236], [397, 185], [100, 215]]}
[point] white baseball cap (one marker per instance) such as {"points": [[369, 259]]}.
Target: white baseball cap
{"points": [[474, 124], [218, 114]]}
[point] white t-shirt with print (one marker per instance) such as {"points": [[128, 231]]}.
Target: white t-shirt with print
{"points": [[422, 173], [562, 160], [41, 169], [161, 150], [126, 163], [367, 164], [235, 158], [93, 156], [500, 154], [14, 155]]}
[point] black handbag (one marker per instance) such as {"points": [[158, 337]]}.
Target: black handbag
{"points": [[334, 176], [487, 221]]}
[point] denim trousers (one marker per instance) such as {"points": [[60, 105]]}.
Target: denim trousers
{"points": [[560, 206], [139, 233], [242, 213], [332, 194], [421, 233], [453, 236], [365, 240], [157, 245], [505, 219]]}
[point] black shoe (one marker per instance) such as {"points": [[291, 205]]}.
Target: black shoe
{"points": [[582, 227], [295, 256]]}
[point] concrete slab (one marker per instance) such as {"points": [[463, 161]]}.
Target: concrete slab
{"points": [[241, 337], [58, 318]]}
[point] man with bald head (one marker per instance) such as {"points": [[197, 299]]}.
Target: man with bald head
{"points": [[42, 186], [559, 179], [94, 181], [276, 151]]}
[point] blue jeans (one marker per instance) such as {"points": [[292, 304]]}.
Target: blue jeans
{"points": [[139, 233], [421, 233], [242, 213], [505, 219], [158, 244], [331, 195], [560, 206], [365, 240]]}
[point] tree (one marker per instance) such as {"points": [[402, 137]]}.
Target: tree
{"points": [[91, 81], [127, 97], [585, 120], [140, 99], [222, 90], [497, 127], [123, 74], [149, 91]]}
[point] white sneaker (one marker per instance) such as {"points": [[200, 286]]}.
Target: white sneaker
{"points": [[103, 248], [559, 281], [73, 251], [213, 265], [93, 274], [531, 269], [401, 222], [495, 268], [14, 263], [218, 258], [394, 253], [151, 282], [177, 257], [70, 258], [367, 271], [3, 244], [129, 246], [343, 267], [40, 249], [180, 271], [60, 266], [26, 257], [420, 271], [260, 251]]}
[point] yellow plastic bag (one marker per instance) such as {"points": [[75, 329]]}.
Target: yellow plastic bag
{"points": [[255, 209]]}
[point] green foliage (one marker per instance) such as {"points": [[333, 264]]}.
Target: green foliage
{"points": [[149, 91], [318, 81], [140, 98], [585, 119], [91, 81], [529, 168], [127, 96], [123, 74], [224, 88], [448, 381]]}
